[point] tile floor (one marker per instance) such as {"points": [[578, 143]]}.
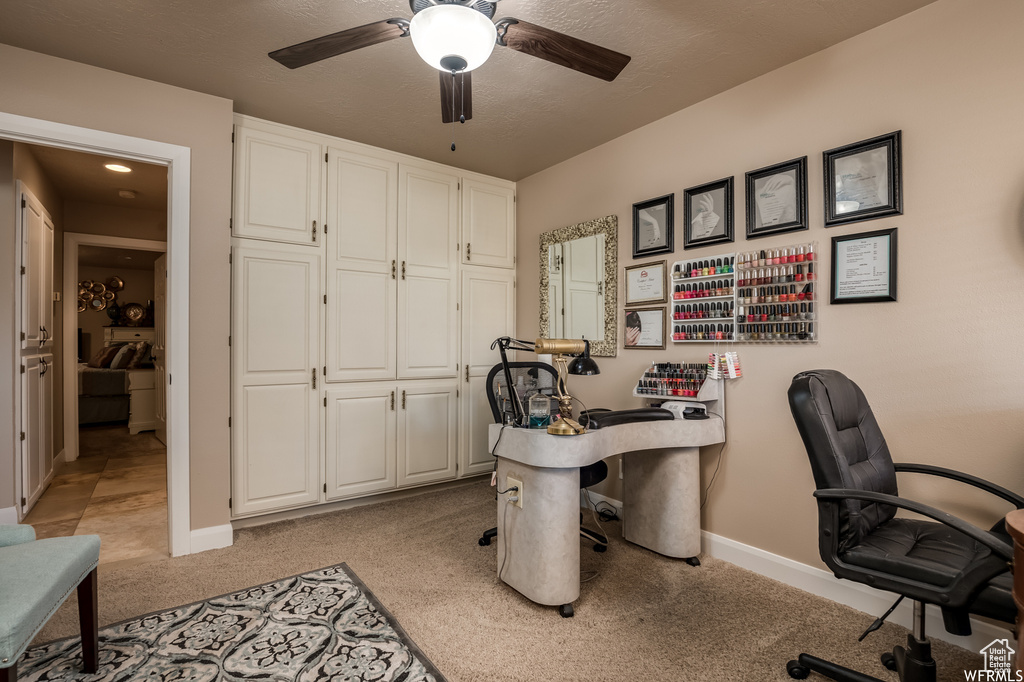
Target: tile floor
{"points": [[117, 489]]}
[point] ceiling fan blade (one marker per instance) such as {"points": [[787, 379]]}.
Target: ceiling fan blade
{"points": [[341, 42], [463, 96], [559, 48]]}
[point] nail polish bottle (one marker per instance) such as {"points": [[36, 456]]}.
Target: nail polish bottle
{"points": [[719, 268], [800, 254], [809, 290], [729, 264], [810, 252], [695, 269], [810, 271], [810, 311], [761, 261]]}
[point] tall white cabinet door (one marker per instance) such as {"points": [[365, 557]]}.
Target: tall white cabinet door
{"points": [[362, 269], [428, 218], [488, 224], [37, 425], [361, 439], [33, 227], [275, 367], [488, 312], [277, 187], [427, 431], [46, 282]]}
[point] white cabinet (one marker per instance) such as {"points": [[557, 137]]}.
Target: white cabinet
{"points": [[113, 335], [427, 431], [278, 186], [488, 312], [36, 427], [428, 220], [362, 267], [36, 237], [141, 400], [488, 223], [362, 439], [275, 406]]}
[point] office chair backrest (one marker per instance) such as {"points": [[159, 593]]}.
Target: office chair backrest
{"points": [[845, 447], [535, 376]]}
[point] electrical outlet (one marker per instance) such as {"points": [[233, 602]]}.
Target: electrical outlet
{"points": [[513, 483]]}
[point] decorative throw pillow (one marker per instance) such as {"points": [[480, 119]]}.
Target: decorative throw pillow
{"points": [[104, 356], [141, 355], [124, 356]]}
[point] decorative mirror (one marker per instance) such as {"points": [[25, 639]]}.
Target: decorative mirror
{"points": [[579, 285], [97, 303]]}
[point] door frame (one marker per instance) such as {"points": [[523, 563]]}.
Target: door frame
{"points": [[178, 160], [73, 240]]}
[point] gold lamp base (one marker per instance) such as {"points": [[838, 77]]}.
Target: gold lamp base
{"points": [[565, 427]]}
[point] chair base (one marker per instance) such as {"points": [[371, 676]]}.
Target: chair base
{"points": [[913, 663]]}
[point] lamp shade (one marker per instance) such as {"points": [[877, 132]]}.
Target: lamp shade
{"points": [[441, 31], [584, 365]]}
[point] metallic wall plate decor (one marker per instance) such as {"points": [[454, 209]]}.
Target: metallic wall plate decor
{"points": [[115, 283]]}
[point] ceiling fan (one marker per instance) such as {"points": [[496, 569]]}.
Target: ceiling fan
{"points": [[455, 37]]}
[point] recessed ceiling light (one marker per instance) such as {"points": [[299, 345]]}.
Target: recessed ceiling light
{"points": [[126, 194], [127, 257], [118, 168]]}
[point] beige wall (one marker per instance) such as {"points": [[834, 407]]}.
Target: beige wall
{"points": [[115, 221], [941, 367], [67, 92]]}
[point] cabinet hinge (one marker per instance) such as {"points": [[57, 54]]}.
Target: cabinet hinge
{"points": [[513, 260], [232, 138], [24, 503], [325, 401], [23, 435], [325, 228], [325, 161], [231, 223], [325, 370], [170, 380], [457, 307], [229, 340], [230, 259], [229, 503], [325, 299], [23, 366], [229, 422], [23, 204], [23, 269], [325, 487], [457, 393]]}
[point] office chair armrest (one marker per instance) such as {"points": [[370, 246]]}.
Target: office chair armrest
{"points": [[999, 491], [1002, 549]]}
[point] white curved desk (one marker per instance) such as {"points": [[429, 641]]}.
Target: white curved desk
{"points": [[539, 544]]}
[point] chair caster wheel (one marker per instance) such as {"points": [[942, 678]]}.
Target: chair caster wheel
{"points": [[565, 611], [888, 660], [600, 548], [797, 670], [694, 561], [483, 542]]}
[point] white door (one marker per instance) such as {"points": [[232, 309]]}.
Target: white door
{"points": [[159, 346], [46, 282], [488, 224], [427, 431], [488, 312], [32, 225], [583, 297], [275, 372], [361, 438], [36, 428], [362, 268], [277, 187], [428, 220]]}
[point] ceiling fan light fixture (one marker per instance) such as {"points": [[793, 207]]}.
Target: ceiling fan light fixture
{"points": [[441, 32]]}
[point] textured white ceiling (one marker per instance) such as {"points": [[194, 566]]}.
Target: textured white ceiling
{"points": [[527, 114]]}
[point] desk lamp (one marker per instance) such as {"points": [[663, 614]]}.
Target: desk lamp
{"points": [[561, 350]]}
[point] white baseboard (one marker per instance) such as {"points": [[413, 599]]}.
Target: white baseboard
{"points": [[598, 497], [214, 537], [8, 515], [822, 583]]}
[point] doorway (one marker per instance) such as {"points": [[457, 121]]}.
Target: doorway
{"points": [[177, 160]]}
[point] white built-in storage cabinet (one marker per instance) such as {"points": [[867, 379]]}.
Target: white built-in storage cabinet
{"points": [[367, 288], [35, 302]]}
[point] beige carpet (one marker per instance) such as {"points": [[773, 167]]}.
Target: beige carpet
{"points": [[644, 617]]}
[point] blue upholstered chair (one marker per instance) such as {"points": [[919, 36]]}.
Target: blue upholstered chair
{"points": [[36, 576]]}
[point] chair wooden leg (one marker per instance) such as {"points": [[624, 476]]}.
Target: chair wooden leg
{"points": [[9, 674], [88, 619]]}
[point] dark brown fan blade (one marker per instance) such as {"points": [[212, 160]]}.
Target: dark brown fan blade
{"points": [[463, 96], [559, 48], [341, 42]]}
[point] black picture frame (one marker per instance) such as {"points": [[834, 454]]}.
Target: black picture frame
{"points": [[777, 199], [856, 177], [864, 267], [653, 226], [647, 322], [714, 201]]}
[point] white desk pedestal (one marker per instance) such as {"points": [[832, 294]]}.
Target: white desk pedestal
{"points": [[661, 501], [539, 545]]}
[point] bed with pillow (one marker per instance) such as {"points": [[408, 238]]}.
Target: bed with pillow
{"points": [[103, 382]]}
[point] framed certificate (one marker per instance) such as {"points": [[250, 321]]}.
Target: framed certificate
{"points": [[707, 210], [646, 283], [777, 199], [864, 180], [653, 227], [645, 329], [864, 267]]}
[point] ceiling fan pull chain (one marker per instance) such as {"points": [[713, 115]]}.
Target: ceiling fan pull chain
{"points": [[453, 109], [462, 104]]}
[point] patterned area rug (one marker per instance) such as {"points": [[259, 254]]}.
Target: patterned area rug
{"points": [[324, 626]]}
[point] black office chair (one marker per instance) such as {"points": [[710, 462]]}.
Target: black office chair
{"points": [[537, 377], [958, 567]]}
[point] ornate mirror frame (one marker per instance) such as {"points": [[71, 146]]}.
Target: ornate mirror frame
{"points": [[609, 227]]}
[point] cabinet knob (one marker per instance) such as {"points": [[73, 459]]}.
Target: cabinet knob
{"points": [[393, 269], [314, 232], [392, 401], [313, 371], [468, 251], [403, 400], [403, 269]]}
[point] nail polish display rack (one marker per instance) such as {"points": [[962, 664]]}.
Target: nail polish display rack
{"points": [[763, 296]]}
